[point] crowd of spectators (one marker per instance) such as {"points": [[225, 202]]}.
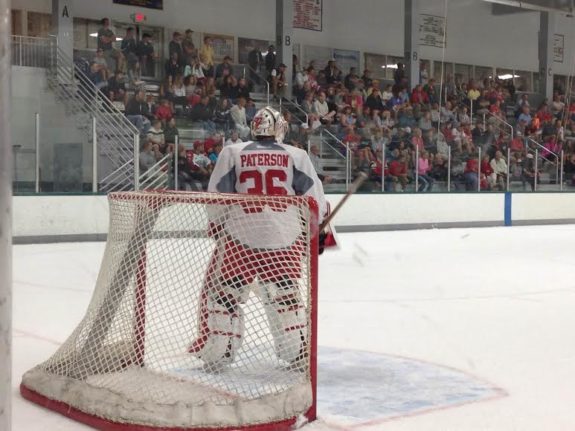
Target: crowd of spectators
{"points": [[392, 131]]}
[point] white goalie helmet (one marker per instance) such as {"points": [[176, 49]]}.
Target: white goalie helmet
{"points": [[269, 122]]}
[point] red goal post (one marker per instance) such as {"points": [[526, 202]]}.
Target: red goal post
{"points": [[127, 365]]}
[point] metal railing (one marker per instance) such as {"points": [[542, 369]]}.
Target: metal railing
{"points": [[112, 134], [30, 51], [158, 175], [343, 147]]}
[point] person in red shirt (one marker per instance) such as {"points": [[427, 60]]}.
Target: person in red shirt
{"points": [[517, 144], [164, 113], [418, 95], [398, 172], [471, 174]]}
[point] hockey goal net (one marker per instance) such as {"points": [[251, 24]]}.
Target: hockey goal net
{"points": [[197, 301]]}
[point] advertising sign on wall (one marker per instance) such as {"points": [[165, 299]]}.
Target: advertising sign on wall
{"points": [[307, 14], [432, 31], [223, 46]]}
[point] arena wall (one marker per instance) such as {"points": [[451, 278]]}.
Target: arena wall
{"points": [[474, 34], [85, 217]]}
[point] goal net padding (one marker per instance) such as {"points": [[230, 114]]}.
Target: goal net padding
{"points": [[128, 364]]}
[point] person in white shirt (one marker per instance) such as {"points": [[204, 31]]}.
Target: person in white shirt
{"points": [[321, 108], [238, 114], [233, 139], [499, 166]]}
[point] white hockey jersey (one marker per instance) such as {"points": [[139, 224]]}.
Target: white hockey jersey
{"points": [[266, 168]]}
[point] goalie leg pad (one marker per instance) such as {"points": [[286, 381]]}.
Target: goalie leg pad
{"points": [[287, 318], [225, 325]]}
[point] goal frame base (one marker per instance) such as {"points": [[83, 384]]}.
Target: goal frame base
{"points": [[104, 424]]}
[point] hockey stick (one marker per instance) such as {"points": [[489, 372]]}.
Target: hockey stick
{"points": [[354, 186]]}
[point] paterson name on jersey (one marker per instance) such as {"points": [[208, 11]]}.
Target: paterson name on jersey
{"points": [[264, 159]]}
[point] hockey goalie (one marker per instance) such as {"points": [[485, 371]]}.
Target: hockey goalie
{"points": [[256, 240]]}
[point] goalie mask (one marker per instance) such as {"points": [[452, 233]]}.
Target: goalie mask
{"points": [[269, 123]]}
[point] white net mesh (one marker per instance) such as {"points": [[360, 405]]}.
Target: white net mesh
{"points": [[200, 316]]}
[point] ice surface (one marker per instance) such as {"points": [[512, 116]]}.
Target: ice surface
{"points": [[436, 330]]}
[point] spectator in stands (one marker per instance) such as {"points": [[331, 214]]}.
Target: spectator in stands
{"points": [[400, 76], [216, 150], [417, 139], [332, 73], [175, 47], [178, 91], [173, 66], [229, 89], [224, 68], [398, 173], [488, 177], [117, 103], [387, 94], [152, 106], [473, 93], [278, 81], [446, 114], [203, 114], [387, 120], [170, 132], [423, 74], [189, 50], [207, 56], [431, 93], [346, 117], [137, 111], [164, 112], [462, 116], [197, 70], [117, 84], [439, 170], [238, 114], [270, 60], [251, 110], [350, 80], [106, 40], [188, 176], [366, 78], [418, 96], [203, 163], [101, 64], [423, 170], [374, 101], [145, 51], [471, 174], [149, 155], [321, 109], [521, 102], [499, 167], [529, 173], [156, 136], [425, 121], [243, 89], [234, 138], [525, 115], [222, 116], [129, 51]]}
